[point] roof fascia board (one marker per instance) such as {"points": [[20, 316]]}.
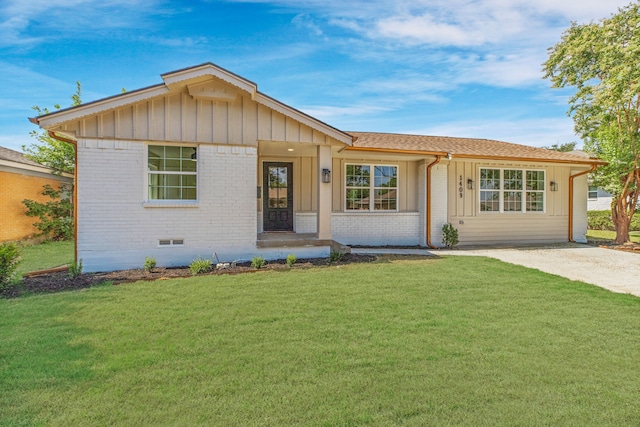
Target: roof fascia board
{"points": [[42, 169], [479, 157], [100, 106]]}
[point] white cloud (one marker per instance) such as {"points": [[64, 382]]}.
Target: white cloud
{"points": [[537, 132], [326, 113], [20, 19]]}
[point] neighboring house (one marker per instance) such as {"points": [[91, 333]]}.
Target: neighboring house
{"points": [[21, 178], [598, 199], [204, 163]]}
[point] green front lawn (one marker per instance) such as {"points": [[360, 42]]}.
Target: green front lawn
{"points": [[45, 255], [442, 341]]}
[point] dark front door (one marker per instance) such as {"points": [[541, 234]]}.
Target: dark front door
{"points": [[277, 181]]}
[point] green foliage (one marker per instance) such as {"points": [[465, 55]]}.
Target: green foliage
{"points": [[56, 216], [601, 220], [9, 260], [48, 151], [449, 236], [149, 263], [75, 269], [291, 259], [564, 148], [258, 262], [335, 256], [200, 265], [600, 61]]}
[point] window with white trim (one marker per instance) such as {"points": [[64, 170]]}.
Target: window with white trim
{"points": [[512, 190], [172, 172], [371, 187], [593, 192]]}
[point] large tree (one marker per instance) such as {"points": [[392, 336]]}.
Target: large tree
{"points": [[56, 154], [601, 61]]}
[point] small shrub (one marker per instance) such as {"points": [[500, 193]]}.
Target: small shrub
{"points": [[75, 269], [200, 265], [55, 216], [335, 256], [258, 262], [149, 263], [449, 235], [9, 260], [291, 259], [601, 220]]}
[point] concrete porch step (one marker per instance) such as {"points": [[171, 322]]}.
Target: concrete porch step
{"points": [[297, 240]]}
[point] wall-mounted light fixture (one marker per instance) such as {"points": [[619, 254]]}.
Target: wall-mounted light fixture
{"points": [[470, 184], [553, 186], [326, 176]]}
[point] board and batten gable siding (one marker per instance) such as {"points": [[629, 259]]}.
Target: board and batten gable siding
{"points": [[117, 229], [178, 117], [475, 227]]}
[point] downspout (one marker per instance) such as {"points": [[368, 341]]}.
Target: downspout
{"points": [[593, 168], [53, 135], [428, 189]]}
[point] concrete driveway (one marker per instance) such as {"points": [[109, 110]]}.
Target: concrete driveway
{"points": [[615, 270]]}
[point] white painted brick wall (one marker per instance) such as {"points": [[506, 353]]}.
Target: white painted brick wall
{"points": [[306, 222], [376, 229], [117, 231], [439, 211]]}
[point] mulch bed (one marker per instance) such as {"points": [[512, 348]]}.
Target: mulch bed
{"points": [[61, 281]]}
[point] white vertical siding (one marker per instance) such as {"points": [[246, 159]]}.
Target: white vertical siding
{"points": [[439, 199], [475, 227]]}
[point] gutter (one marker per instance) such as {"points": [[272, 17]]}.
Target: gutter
{"points": [[428, 189], [593, 168], [53, 135]]}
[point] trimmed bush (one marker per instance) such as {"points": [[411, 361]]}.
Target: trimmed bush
{"points": [[601, 220]]}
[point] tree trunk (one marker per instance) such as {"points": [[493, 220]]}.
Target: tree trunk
{"points": [[621, 221]]}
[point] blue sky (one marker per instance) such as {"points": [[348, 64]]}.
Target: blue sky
{"points": [[435, 67]]}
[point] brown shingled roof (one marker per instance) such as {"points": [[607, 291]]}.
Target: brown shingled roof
{"points": [[461, 148]]}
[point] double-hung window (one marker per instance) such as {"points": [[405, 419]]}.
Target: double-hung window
{"points": [[512, 190], [593, 192], [172, 172], [371, 188]]}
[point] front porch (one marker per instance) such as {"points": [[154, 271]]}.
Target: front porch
{"points": [[297, 240]]}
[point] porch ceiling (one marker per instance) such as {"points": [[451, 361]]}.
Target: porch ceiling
{"points": [[289, 149]]}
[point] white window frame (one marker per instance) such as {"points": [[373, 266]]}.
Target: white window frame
{"points": [[371, 187], [149, 202], [523, 191], [589, 191]]}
